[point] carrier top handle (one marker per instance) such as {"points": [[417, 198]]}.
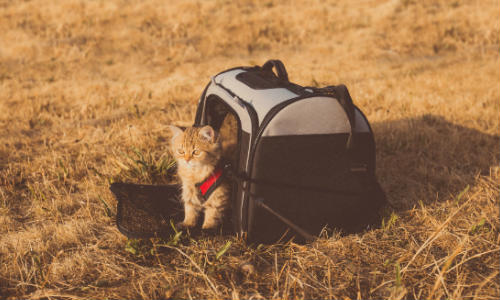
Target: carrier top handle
{"points": [[345, 100], [279, 66]]}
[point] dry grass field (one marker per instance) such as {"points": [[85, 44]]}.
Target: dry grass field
{"points": [[88, 87]]}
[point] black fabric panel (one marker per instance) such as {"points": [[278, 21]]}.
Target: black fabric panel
{"points": [[362, 152], [258, 79], [261, 80], [307, 170], [314, 211], [309, 160]]}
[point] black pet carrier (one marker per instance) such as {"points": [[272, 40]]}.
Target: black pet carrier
{"points": [[305, 163]]}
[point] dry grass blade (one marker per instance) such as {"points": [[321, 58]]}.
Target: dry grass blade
{"points": [[449, 260], [485, 281], [210, 284], [471, 258], [435, 235], [50, 294]]}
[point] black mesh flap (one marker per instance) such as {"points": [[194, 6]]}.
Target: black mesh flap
{"points": [[146, 210]]}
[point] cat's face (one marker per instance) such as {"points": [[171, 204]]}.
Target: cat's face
{"points": [[195, 146]]}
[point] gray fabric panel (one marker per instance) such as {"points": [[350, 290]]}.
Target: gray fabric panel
{"points": [[261, 100], [246, 122], [360, 124], [316, 115]]}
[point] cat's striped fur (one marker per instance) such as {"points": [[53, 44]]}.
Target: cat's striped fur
{"points": [[197, 152]]}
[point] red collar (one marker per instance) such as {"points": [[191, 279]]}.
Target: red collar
{"points": [[207, 186]]}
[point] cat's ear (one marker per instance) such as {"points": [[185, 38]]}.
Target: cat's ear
{"points": [[174, 130], [207, 133]]}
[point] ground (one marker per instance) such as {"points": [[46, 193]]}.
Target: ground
{"points": [[87, 89]]}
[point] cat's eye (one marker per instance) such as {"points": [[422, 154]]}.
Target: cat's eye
{"points": [[196, 152], [180, 151]]}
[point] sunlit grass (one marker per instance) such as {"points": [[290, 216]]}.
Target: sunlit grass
{"points": [[88, 87]]}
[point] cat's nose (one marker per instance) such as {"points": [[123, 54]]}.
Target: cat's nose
{"points": [[187, 158]]}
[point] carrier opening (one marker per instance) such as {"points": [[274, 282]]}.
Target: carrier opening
{"points": [[234, 142], [224, 120]]}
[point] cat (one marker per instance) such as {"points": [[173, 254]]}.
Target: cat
{"points": [[198, 152]]}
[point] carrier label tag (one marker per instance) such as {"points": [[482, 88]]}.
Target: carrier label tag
{"points": [[359, 168]]}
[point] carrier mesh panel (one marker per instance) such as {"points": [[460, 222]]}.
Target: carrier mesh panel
{"points": [[145, 210], [308, 180]]}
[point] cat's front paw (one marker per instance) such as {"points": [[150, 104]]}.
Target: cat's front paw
{"points": [[210, 225], [184, 225], [213, 218]]}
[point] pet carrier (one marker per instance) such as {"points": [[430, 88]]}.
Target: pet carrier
{"points": [[305, 163]]}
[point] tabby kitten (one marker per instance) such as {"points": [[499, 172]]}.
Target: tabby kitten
{"points": [[197, 152]]}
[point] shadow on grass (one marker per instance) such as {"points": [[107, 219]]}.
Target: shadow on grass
{"points": [[430, 159], [426, 159]]}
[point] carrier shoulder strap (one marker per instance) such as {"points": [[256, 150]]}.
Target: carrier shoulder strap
{"points": [[342, 94]]}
